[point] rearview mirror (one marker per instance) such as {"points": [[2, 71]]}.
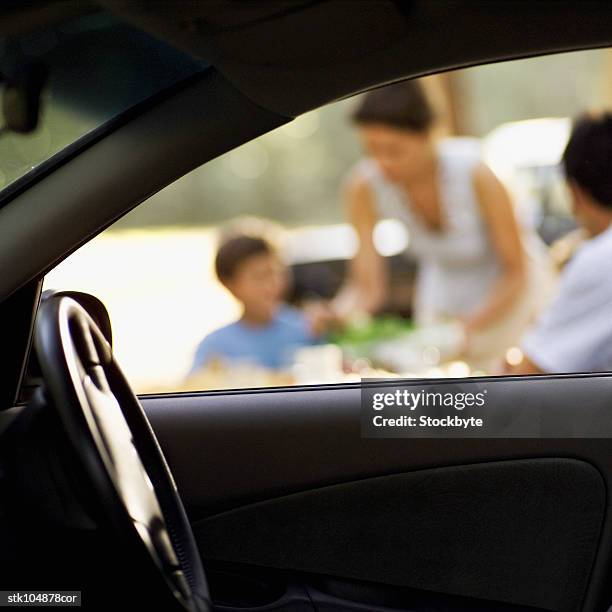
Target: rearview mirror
{"points": [[23, 85]]}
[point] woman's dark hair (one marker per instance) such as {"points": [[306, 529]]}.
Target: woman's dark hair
{"points": [[236, 250], [588, 156], [402, 105]]}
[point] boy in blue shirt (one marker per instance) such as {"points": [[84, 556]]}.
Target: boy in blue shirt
{"points": [[269, 331]]}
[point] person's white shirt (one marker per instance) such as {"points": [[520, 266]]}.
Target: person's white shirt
{"points": [[575, 333]]}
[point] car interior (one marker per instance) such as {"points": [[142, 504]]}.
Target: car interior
{"points": [[263, 498]]}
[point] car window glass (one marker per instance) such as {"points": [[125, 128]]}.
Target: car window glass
{"points": [[370, 238]]}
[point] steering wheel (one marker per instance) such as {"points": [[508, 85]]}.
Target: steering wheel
{"points": [[116, 445]]}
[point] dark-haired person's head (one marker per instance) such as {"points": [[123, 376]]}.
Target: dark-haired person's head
{"points": [[250, 268], [394, 123], [587, 161]]}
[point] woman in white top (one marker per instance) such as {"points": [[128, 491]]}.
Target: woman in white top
{"points": [[472, 258]]}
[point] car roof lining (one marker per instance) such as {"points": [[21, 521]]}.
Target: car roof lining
{"points": [[310, 53]]}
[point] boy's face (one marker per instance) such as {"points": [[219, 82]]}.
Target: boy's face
{"points": [[260, 283]]}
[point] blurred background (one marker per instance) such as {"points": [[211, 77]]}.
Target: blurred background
{"points": [[154, 267]]}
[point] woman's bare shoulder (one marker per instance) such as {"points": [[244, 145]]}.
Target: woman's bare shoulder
{"points": [[358, 181], [359, 196], [483, 177], [358, 184]]}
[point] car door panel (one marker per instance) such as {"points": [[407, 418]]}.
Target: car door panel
{"points": [[521, 531], [281, 480]]}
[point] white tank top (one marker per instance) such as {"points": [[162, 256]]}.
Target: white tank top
{"points": [[457, 265]]}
